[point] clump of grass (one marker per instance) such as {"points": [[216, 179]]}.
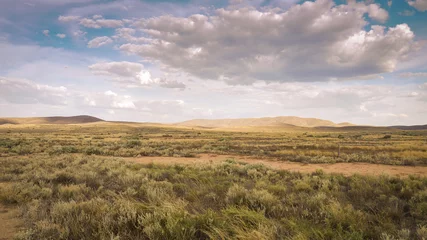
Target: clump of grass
{"points": [[87, 197]]}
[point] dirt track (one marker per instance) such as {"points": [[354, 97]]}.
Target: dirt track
{"points": [[9, 222], [343, 168]]}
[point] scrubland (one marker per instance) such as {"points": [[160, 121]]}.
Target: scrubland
{"points": [[71, 182], [122, 140]]}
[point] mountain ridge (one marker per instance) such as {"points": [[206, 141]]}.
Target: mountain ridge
{"points": [[260, 122], [280, 121]]}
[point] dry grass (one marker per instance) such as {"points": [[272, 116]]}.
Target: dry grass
{"points": [[69, 184], [131, 140]]}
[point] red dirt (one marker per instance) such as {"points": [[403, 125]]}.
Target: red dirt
{"points": [[347, 169]]}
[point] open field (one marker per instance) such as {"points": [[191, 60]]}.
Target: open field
{"points": [[347, 169], [306, 145], [146, 181]]}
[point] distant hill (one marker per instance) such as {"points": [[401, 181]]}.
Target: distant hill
{"points": [[262, 122], [413, 127], [51, 120]]}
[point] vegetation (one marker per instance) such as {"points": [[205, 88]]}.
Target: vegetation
{"points": [[120, 140], [67, 188], [88, 197]]}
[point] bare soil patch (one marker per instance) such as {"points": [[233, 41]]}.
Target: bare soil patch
{"points": [[10, 222], [347, 169]]}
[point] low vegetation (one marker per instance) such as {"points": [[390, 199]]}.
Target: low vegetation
{"points": [[67, 188], [88, 197], [119, 140]]}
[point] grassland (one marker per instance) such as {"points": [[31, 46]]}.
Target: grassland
{"points": [[72, 182], [383, 146]]}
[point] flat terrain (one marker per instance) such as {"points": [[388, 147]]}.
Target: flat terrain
{"points": [[304, 145], [346, 169], [9, 222], [104, 180]]}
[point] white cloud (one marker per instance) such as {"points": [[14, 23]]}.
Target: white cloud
{"points": [[22, 91], [377, 13], [61, 35], [132, 74], [413, 75], [99, 41], [145, 78], [243, 45], [171, 84], [127, 34], [117, 69], [125, 103], [100, 23], [68, 18], [97, 16], [110, 93], [107, 100], [79, 34], [46, 33], [420, 5]]}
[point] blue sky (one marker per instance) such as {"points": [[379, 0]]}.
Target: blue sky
{"points": [[363, 62]]}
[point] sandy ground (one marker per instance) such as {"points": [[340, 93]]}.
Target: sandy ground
{"points": [[9, 222], [343, 168]]}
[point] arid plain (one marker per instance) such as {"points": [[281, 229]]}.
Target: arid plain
{"points": [[80, 178]]}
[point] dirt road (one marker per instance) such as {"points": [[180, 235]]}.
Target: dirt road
{"points": [[9, 222], [343, 168]]}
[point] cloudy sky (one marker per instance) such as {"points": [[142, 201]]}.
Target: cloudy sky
{"points": [[167, 61]]}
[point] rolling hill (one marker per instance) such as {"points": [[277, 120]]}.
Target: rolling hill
{"points": [[262, 122], [413, 127], [51, 120]]}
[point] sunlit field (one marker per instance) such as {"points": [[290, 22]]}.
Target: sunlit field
{"points": [[75, 182], [383, 146]]}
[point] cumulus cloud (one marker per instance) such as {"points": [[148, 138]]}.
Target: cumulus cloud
{"points": [[108, 100], [420, 5], [243, 45], [132, 75], [100, 23], [127, 34], [171, 84], [99, 41], [117, 69], [61, 35], [377, 13], [79, 34], [46, 33], [146, 79], [22, 91], [70, 18]]}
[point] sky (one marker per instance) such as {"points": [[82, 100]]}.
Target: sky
{"points": [[363, 62]]}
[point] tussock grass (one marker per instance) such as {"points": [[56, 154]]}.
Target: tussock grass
{"points": [[88, 197]]}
